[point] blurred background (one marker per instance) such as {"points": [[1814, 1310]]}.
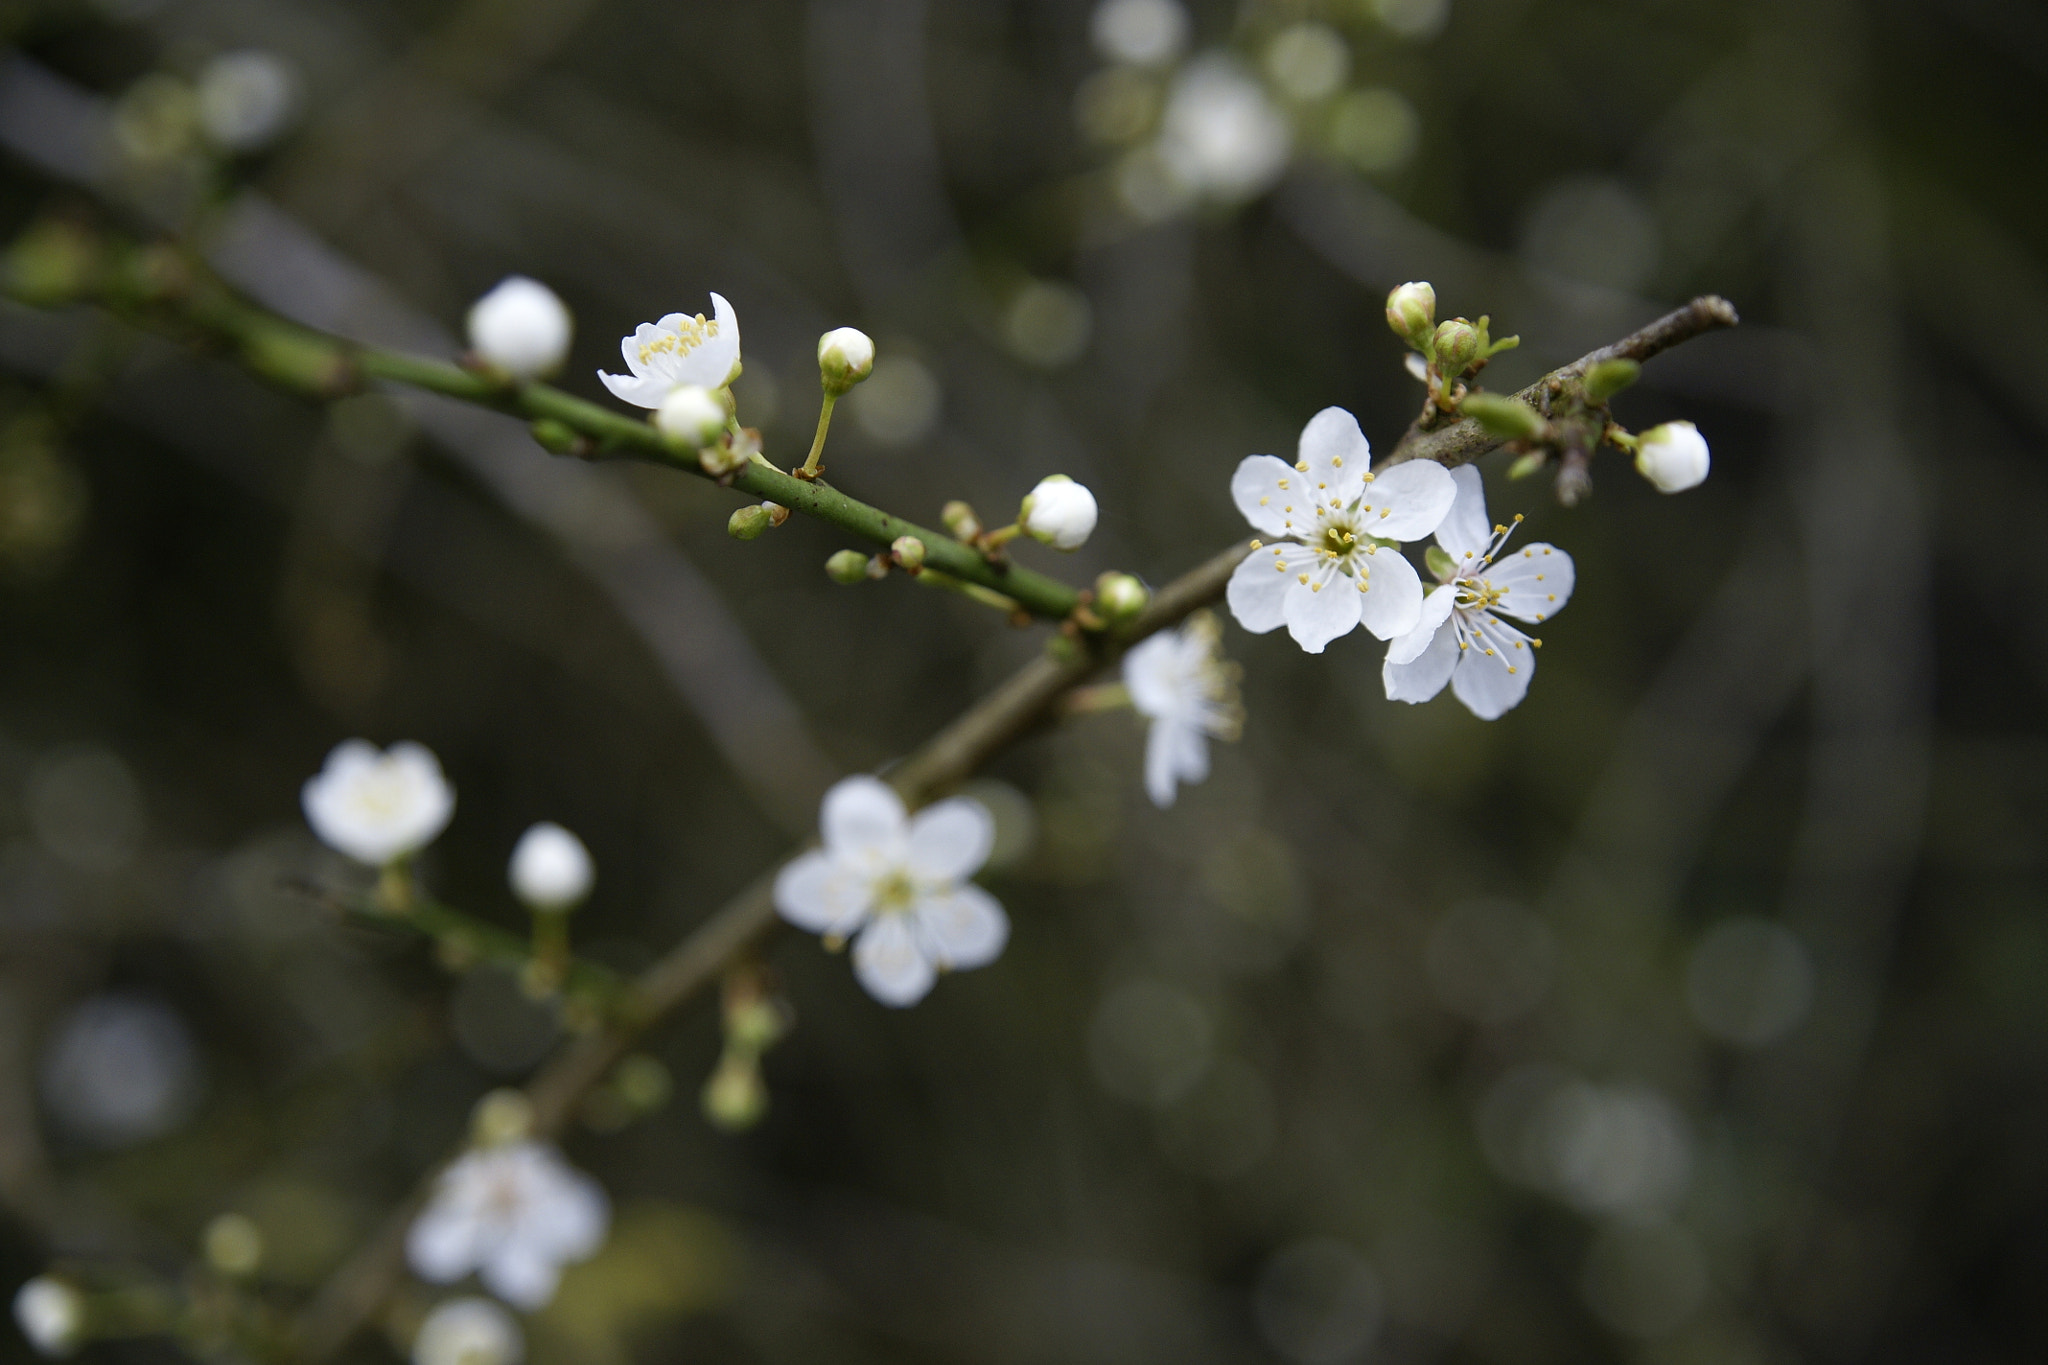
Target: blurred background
{"points": [[1693, 1013]]}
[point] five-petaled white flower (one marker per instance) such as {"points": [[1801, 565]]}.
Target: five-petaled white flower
{"points": [[515, 1214], [468, 1331], [1459, 638], [1335, 515], [1181, 683], [378, 806], [677, 351], [899, 882]]}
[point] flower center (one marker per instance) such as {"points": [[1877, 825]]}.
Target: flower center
{"points": [[894, 892], [688, 336]]}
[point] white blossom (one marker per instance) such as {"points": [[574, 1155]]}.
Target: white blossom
{"points": [[515, 1214], [1058, 512], [246, 98], [378, 806], [1331, 516], [1180, 682], [692, 414], [1460, 638], [1220, 136], [521, 327], [899, 882], [550, 869], [662, 357], [1140, 32], [468, 1331], [1673, 457], [846, 355], [51, 1314]]}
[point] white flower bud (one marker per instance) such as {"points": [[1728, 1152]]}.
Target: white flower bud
{"points": [[1673, 456], [845, 357], [692, 415], [468, 1331], [51, 1314], [246, 99], [551, 869], [520, 327], [1059, 512], [378, 807], [1411, 312]]}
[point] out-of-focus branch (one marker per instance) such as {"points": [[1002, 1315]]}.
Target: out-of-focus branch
{"points": [[1462, 441], [355, 1292]]}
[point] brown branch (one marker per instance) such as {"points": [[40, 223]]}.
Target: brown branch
{"points": [[1464, 440], [353, 1294]]}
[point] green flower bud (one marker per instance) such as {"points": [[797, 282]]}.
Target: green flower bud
{"points": [[1119, 596], [1610, 377], [503, 1116], [1503, 416], [848, 566], [959, 520], [735, 1098], [1528, 464], [909, 552], [1456, 346], [1411, 312], [233, 1245], [845, 357], [748, 523]]}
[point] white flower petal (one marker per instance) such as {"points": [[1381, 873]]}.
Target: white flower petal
{"points": [[950, 840], [1392, 601], [1423, 675], [722, 352], [819, 893], [1256, 489], [1465, 532], [1436, 609], [1153, 673], [520, 1276], [642, 391], [1493, 684], [1321, 609], [1413, 498], [962, 928], [1337, 455], [889, 963], [579, 1214], [1257, 594], [1175, 752], [1535, 582], [862, 815], [630, 346], [441, 1246]]}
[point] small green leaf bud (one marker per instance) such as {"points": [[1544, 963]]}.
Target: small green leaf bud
{"points": [[845, 357], [909, 552], [1119, 596], [1456, 347], [557, 438], [643, 1083], [1528, 464], [1503, 416], [735, 1098], [503, 1116], [51, 263], [848, 566], [959, 520], [1411, 312], [233, 1245], [1440, 563], [692, 415], [1610, 377], [748, 523]]}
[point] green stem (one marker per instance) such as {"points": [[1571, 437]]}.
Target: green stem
{"points": [[817, 454], [988, 597]]}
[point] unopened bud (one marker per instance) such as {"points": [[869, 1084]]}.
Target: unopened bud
{"points": [[909, 552], [557, 438], [643, 1083], [845, 357], [959, 520], [749, 522], [755, 1023], [1673, 456], [1610, 377], [233, 1245], [692, 415], [1411, 312], [1059, 513], [1456, 346], [521, 328], [551, 869], [735, 1098], [777, 513], [500, 1117], [848, 566], [1503, 416], [1525, 465], [1119, 596]]}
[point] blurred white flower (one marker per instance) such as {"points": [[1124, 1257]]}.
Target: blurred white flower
{"points": [[1181, 683], [515, 1215], [900, 883], [1140, 32], [664, 356], [1308, 61], [1220, 135], [246, 99], [51, 1314], [551, 869], [1058, 512], [376, 807], [468, 1331], [521, 327], [1327, 576], [1458, 638], [120, 1070], [1673, 457]]}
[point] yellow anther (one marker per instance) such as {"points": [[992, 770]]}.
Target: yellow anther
{"points": [[1315, 587], [1264, 501], [1518, 518], [1511, 668], [1320, 484], [1383, 513], [1283, 483], [1337, 460], [1302, 467], [1368, 478], [1256, 545], [1302, 577], [1489, 654], [1537, 643]]}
